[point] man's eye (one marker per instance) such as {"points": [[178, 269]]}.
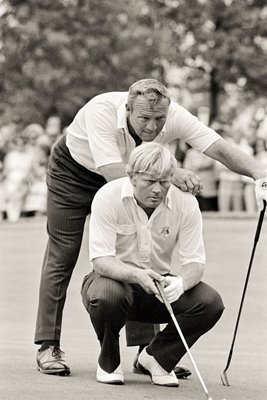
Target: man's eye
{"points": [[164, 182]]}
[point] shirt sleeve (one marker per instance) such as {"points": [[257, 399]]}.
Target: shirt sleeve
{"points": [[101, 128], [181, 124], [190, 240], [102, 231]]}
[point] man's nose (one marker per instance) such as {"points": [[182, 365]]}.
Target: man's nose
{"points": [[151, 125], [156, 187]]}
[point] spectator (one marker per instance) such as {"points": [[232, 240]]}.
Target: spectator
{"points": [[16, 171], [260, 153], [35, 203], [231, 185], [205, 168]]}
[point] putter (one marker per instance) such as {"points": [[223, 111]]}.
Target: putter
{"points": [[224, 377], [170, 310]]}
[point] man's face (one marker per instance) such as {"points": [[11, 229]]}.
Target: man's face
{"points": [[150, 190], [148, 121]]}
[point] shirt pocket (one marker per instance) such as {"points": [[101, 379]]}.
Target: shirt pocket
{"points": [[126, 240]]}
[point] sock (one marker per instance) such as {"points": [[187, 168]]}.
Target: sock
{"points": [[47, 343]]}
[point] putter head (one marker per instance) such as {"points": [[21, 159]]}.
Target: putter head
{"points": [[224, 378]]}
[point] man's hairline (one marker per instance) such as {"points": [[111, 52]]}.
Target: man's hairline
{"points": [[161, 97]]}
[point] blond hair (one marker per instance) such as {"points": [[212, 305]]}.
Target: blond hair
{"points": [[152, 158]]}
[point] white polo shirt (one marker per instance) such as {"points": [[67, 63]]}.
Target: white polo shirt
{"points": [[99, 135], [119, 227]]}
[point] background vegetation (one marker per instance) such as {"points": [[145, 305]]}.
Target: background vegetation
{"points": [[56, 55]]}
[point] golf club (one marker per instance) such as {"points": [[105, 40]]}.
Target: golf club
{"points": [[224, 377], [169, 308]]}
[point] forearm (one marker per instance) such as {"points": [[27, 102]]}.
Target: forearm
{"points": [[113, 171], [235, 159], [113, 268], [191, 274]]}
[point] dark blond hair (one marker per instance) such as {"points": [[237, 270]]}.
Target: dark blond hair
{"points": [[152, 89]]}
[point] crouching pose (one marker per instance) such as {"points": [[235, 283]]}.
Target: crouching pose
{"points": [[142, 227]]}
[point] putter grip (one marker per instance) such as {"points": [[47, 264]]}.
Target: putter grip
{"points": [[162, 295]]}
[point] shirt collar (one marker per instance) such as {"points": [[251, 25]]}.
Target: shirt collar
{"points": [[122, 123], [127, 191]]}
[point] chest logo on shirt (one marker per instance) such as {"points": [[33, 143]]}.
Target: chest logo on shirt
{"points": [[165, 231]]}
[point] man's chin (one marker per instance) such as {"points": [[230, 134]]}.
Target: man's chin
{"points": [[147, 138], [154, 203]]}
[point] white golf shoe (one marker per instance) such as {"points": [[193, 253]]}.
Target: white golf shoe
{"points": [[113, 378], [159, 376]]}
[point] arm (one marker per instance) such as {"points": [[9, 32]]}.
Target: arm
{"points": [[113, 268], [235, 159], [102, 246], [191, 274], [113, 171]]}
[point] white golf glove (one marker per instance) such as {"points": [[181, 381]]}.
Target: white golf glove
{"points": [[174, 288], [261, 191]]}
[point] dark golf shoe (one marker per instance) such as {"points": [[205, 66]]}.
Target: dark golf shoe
{"points": [[51, 361], [181, 371]]}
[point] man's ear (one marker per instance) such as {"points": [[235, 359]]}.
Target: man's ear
{"points": [[127, 110], [133, 179]]}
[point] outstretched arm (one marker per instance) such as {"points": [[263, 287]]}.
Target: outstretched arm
{"points": [[238, 161], [235, 159]]}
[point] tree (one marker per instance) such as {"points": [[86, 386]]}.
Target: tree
{"points": [[57, 55], [220, 41]]}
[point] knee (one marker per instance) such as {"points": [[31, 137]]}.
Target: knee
{"points": [[213, 305], [107, 297]]}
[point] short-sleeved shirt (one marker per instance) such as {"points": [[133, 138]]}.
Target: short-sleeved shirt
{"points": [[119, 227], [99, 135]]}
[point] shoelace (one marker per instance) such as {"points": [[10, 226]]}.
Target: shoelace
{"points": [[57, 353]]}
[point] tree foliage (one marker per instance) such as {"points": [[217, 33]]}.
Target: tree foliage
{"points": [[55, 55], [220, 41]]}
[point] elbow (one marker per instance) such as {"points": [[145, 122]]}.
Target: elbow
{"points": [[98, 265], [217, 150]]}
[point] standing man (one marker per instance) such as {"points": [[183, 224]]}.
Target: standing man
{"points": [[94, 151], [139, 227]]}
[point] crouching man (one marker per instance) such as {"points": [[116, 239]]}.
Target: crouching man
{"points": [[137, 224]]}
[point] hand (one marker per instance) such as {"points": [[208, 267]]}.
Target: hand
{"points": [[261, 191], [173, 289], [187, 181], [146, 277]]}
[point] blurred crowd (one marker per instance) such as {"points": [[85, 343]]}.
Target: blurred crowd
{"points": [[24, 156], [224, 190], [23, 161]]}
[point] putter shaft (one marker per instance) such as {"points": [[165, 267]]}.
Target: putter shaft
{"points": [[224, 377], [170, 310]]}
